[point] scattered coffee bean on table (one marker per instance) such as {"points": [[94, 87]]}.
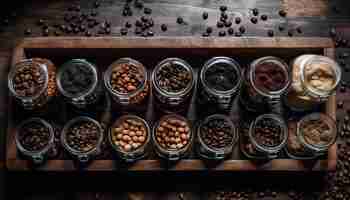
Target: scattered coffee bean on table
{"points": [[180, 20], [83, 136], [123, 31], [270, 33], [173, 77], [263, 17], [173, 133], [242, 29], [164, 27], [126, 78], [267, 132], [223, 8], [230, 31], [220, 24], [238, 20], [129, 134], [216, 133], [34, 136], [255, 12], [281, 27], [222, 33], [209, 30], [254, 20], [205, 15]]}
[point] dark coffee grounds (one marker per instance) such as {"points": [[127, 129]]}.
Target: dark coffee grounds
{"points": [[269, 76], [216, 133], [267, 132], [77, 79], [221, 77], [34, 136]]}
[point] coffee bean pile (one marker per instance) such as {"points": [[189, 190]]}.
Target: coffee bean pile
{"points": [[173, 133], [217, 133], [317, 132], [77, 79], [29, 79], [34, 136], [221, 77], [267, 132], [230, 195], [83, 136], [172, 77], [130, 134], [51, 68], [126, 78], [342, 177]]}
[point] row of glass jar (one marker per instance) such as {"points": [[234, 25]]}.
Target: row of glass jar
{"points": [[173, 137], [311, 81]]}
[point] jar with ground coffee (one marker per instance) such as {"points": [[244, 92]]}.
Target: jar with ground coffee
{"points": [[173, 83], [34, 138], [172, 137], [217, 136], [266, 80], [268, 134], [82, 138], [28, 83], [129, 136], [77, 81], [220, 81], [317, 132], [314, 79], [128, 83]]}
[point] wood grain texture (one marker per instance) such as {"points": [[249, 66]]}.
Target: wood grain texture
{"points": [[306, 7]]}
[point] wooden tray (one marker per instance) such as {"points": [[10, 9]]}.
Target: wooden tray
{"points": [[150, 51]]}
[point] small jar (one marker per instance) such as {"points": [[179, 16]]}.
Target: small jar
{"points": [[317, 132], [34, 138], [77, 81], [268, 134], [173, 83], [129, 136], [314, 79], [82, 138], [217, 136], [28, 83], [127, 82], [172, 137], [220, 81], [266, 80]]}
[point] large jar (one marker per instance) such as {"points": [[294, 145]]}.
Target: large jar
{"points": [[34, 138], [268, 134], [220, 80], [173, 84], [217, 136], [317, 132], [314, 79], [28, 83], [266, 79], [77, 81], [127, 82]]}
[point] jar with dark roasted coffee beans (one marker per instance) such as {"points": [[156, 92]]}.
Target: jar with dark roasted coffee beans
{"points": [[217, 136], [173, 83], [82, 138], [172, 137], [77, 81], [129, 136], [34, 139], [317, 132], [127, 81], [219, 82], [266, 80], [28, 83], [268, 134]]}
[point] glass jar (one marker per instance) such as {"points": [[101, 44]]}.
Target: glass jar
{"points": [[82, 156], [172, 137], [39, 153], [28, 83], [127, 82], [135, 135], [220, 81], [317, 132], [210, 147], [314, 79], [266, 79], [77, 81], [173, 83], [262, 138], [51, 69]]}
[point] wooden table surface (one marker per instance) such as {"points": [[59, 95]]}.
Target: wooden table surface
{"points": [[314, 17]]}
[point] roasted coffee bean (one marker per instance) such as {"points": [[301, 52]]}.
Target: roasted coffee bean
{"points": [[222, 33], [128, 25], [267, 132], [290, 33], [224, 16], [344, 42], [138, 30], [77, 8], [150, 33], [228, 24], [205, 34], [216, 133], [281, 27], [83, 136], [138, 23], [254, 20], [62, 27], [46, 32], [147, 11], [108, 30], [82, 28], [205, 15], [108, 24], [270, 33], [97, 4], [238, 20], [263, 17], [34, 136], [342, 89], [164, 27], [123, 31], [333, 32], [76, 30], [242, 29], [209, 30], [299, 30], [230, 31], [180, 20], [255, 12], [138, 4], [69, 29], [88, 34], [223, 8], [45, 26], [28, 31], [282, 13], [220, 24]]}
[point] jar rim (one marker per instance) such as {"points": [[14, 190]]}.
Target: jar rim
{"points": [[222, 59], [282, 125], [233, 130], [121, 119], [181, 63], [12, 73], [34, 120], [329, 121], [277, 61], [108, 73], [74, 121], [67, 65]]}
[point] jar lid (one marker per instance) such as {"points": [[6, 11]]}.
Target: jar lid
{"points": [[77, 78], [309, 130], [221, 75]]}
